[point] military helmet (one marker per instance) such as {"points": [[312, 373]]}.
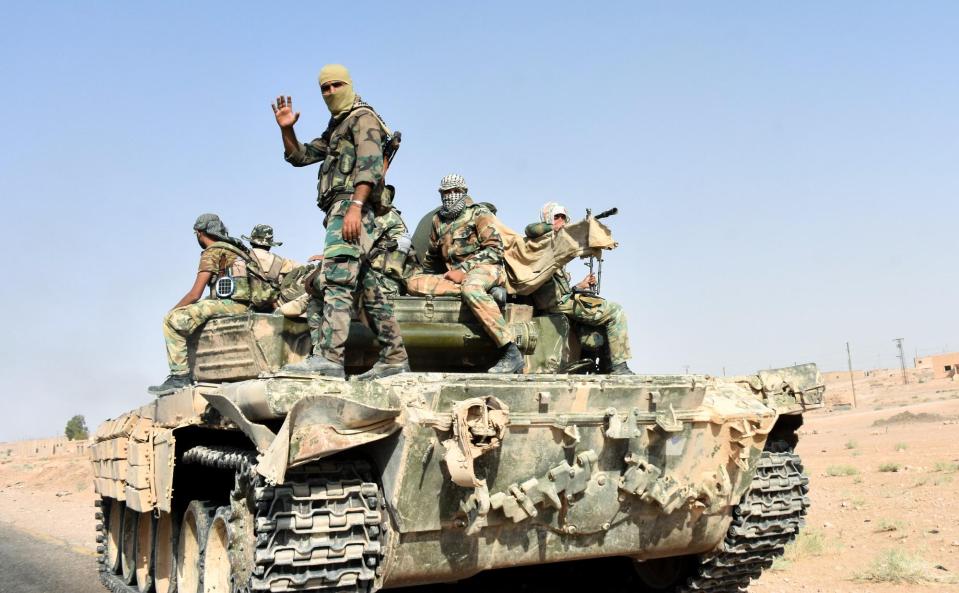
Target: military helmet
{"points": [[550, 210], [262, 236], [212, 225], [453, 181]]}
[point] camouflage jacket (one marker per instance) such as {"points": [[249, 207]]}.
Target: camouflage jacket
{"points": [[386, 230], [274, 267], [469, 240], [557, 289], [351, 150]]}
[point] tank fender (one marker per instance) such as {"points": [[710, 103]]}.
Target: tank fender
{"points": [[261, 436], [793, 389], [319, 426]]}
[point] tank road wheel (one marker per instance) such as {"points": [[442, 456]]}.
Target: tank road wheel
{"points": [[190, 545], [143, 562], [114, 516], [767, 518], [217, 573], [164, 553], [230, 542], [128, 545]]}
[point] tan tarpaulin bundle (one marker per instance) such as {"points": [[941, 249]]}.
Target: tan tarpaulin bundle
{"points": [[531, 262]]}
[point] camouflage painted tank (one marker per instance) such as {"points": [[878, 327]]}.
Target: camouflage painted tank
{"points": [[252, 481]]}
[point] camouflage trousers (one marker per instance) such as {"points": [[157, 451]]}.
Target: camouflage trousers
{"points": [[475, 292], [180, 323], [595, 311], [314, 306], [342, 280]]}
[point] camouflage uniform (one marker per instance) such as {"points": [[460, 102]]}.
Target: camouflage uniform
{"points": [[470, 243], [387, 229], [556, 296], [180, 323], [351, 152], [274, 267]]}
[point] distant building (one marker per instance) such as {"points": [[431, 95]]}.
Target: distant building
{"points": [[943, 366]]}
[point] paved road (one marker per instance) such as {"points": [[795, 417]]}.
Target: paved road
{"points": [[30, 565]]}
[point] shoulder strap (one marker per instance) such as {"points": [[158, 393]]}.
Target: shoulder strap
{"points": [[231, 247], [246, 256], [362, 108]]}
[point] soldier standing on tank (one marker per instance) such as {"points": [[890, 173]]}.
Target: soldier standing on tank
{"points": [[351, 150], [190, 312], [464, 240], [556, 296]]}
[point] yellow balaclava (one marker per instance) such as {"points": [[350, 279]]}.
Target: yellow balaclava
{"points": [[342, 99]]}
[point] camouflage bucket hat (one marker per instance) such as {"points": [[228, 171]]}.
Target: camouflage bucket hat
{"points": [[262, 236], [211, 225]]}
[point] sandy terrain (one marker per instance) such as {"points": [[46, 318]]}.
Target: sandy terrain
{"points": [[877, 487]]}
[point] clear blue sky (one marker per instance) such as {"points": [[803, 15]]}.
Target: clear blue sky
{"points": [[786, 173]]}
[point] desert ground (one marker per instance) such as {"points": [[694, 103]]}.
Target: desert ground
{"points": [[884, 479]]}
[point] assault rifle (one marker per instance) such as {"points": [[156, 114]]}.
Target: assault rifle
{"points": [[392, 147], [599, 272]]}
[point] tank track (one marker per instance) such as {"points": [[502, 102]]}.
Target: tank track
{"points": [[113, 582], [769, 517], [321, 530]]}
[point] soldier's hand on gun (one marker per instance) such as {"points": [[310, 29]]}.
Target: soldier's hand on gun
{"points": [[283, 111], [587, 283], [456, 276]]}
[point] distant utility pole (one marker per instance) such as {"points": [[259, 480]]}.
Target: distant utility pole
{"points": [[685, 369], [902, 360], [851, 381]]}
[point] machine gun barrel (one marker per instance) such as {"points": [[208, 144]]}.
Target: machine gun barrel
{"points": [[607, 213]]}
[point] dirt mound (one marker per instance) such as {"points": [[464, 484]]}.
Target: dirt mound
{"points": [[908, 417]]}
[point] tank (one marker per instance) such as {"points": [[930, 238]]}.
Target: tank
{"points": [[255, 481]]}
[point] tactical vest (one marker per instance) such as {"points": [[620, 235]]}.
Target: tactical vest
{"points": [[250, 284], [338, 171]]}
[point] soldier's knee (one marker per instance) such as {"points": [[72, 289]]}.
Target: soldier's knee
{"points": [[178, 319]]}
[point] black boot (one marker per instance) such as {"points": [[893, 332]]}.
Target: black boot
{"points": [[385, 369], [620, 368], [172, 383], [314, 364], [499, 295], [510, 363]]}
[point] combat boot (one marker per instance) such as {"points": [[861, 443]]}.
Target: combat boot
{"points": [[172, 383], [511, 362], [620, 368], [385, 369], [314, 364]]}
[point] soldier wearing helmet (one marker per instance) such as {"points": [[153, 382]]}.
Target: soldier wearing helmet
{"points": [[274, 267], [557, 296], [464, 241], [218, 260], [349, 189]]}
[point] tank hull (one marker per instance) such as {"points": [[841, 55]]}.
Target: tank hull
{"points": [[477, 471]]}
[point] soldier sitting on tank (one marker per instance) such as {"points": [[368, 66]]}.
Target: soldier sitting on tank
{"points": [[392, 259], [190, 313], [556, 296], [274, 267], [464, 240]]}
